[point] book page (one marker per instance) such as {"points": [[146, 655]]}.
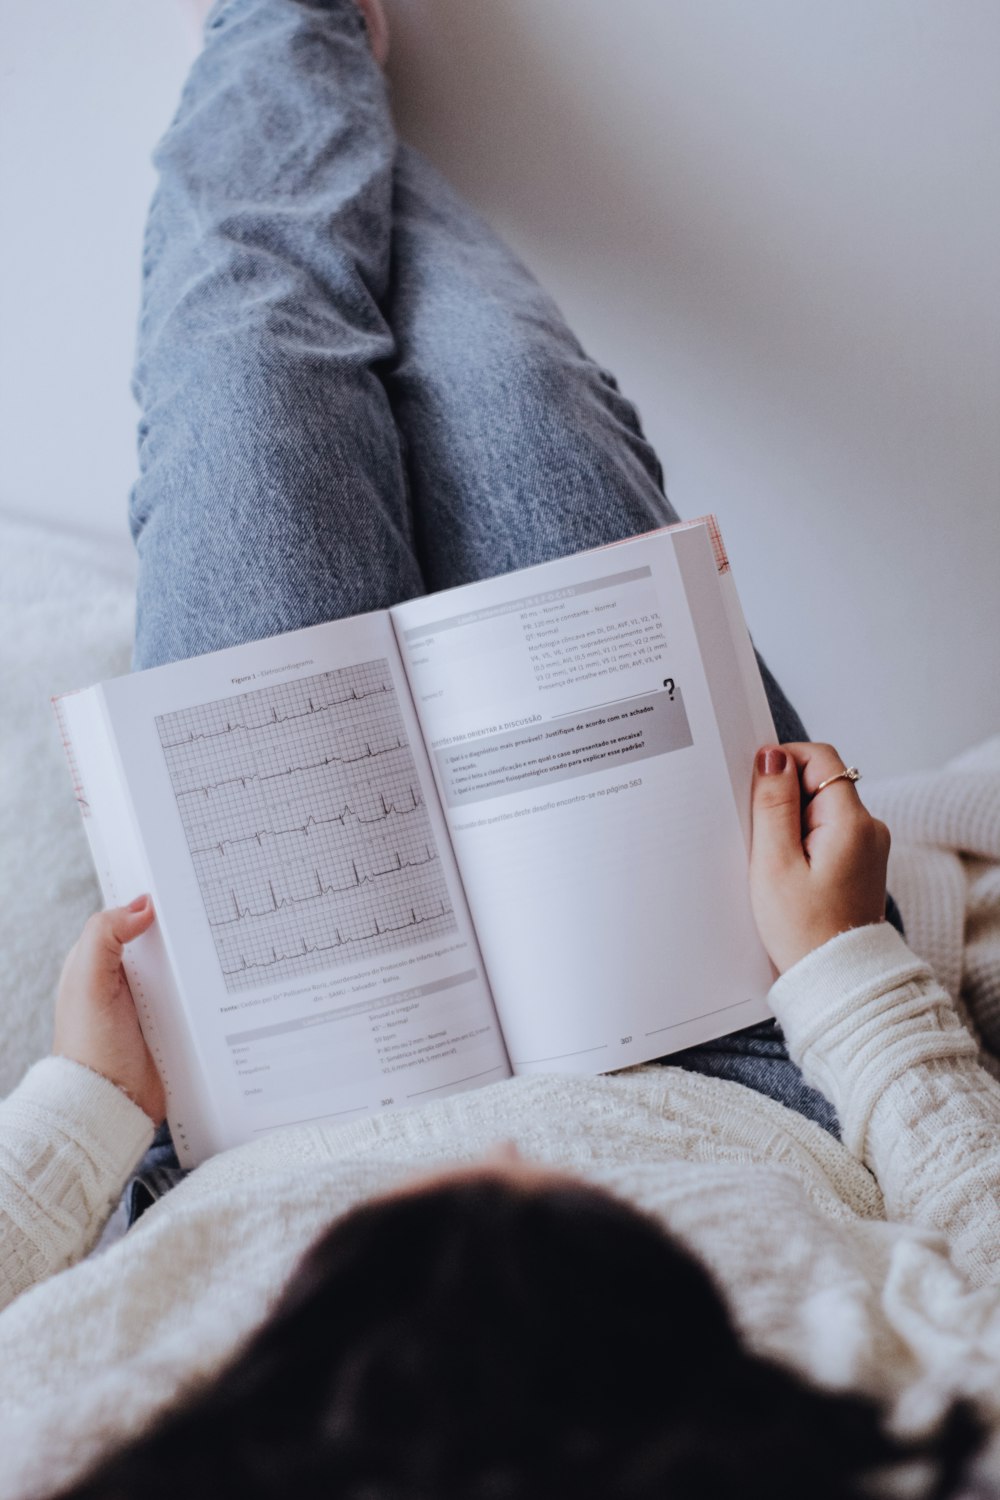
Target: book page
{"points": [[585, 769], [304, 881], [123, 873]]}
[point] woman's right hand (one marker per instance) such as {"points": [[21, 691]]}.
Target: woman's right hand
{"points": [[96, 1023], [817, 864]]}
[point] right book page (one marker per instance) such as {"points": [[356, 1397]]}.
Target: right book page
{"points": [[591, 724]]}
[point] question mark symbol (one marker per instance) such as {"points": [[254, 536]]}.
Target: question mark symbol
{"points": [[668, 682]]}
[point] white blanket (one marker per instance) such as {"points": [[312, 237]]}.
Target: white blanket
{"points": [[944, 871], [66, 609]]}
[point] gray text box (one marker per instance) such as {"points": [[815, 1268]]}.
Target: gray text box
{"points": [[618, 734]]}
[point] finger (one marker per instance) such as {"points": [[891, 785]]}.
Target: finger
{"points": [[132, 920], [107, 932], [816, 763], [884, 837], [839, 800], [777, 808]]}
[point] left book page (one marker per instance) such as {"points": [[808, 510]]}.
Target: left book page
{"points": [[313, 955]]}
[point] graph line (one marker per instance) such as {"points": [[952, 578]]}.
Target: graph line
{"points": [[310, 839], [388, 810]]}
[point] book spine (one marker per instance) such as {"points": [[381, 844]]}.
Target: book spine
{"points": [[70, 752]]}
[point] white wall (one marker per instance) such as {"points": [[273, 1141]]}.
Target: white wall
{"points": [[85, 90], [777, 222]]}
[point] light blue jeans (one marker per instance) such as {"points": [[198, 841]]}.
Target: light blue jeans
{"points": [[352, 392]]}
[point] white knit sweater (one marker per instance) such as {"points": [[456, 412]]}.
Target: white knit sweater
{"points": [[873, 1265]]}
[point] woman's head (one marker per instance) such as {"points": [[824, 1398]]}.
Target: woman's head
{"points": [[504, 1336]]}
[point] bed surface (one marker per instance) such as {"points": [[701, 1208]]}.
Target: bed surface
{"points": [[66, 603]]}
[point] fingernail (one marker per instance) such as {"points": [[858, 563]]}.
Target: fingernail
{"points": [[771, 762], [139, 904]]}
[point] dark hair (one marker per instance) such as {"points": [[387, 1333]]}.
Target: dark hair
{"points": [[482, 1340]]}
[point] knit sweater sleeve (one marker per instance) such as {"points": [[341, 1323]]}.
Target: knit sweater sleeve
{"points": [[873, 1030], [68, 1140]]}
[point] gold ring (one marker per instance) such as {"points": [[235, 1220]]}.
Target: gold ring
{"points": [[851, 774]]}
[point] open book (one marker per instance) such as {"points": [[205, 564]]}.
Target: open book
{"points": [[501, 829]]}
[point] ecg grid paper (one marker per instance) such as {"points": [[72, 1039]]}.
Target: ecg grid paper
{"points": [[310, 838]]}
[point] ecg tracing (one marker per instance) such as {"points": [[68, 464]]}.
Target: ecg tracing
{"points": [[308, 830]]}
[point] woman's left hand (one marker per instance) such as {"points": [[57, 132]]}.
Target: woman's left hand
{"points": [[96, 1023], [818, 858]]}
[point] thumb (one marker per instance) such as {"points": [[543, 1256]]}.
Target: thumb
{"points": [[107, 932], [776, 809], [128, 922]]}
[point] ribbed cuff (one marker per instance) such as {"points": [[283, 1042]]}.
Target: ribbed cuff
{"points": [[853, 961], [96, 1114], [859, 1012], [68, 1141]]}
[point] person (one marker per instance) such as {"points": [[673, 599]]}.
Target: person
{"points": [[770, 1264]]}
